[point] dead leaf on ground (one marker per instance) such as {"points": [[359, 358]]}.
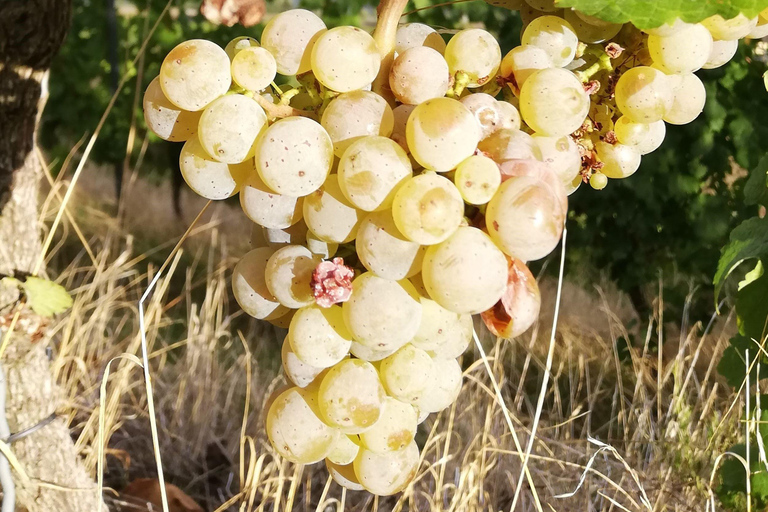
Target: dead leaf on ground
{"points": [[229, 12]]}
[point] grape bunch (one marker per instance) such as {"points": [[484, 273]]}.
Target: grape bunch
{"points": [[398, 185]]}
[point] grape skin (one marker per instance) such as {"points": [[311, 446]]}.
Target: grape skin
{"points": [[443, 334], [407, 374], [249, 286], [298, 372], [412, 35], [477, 178], [395, 429], [318, 336], [239, 43], [210, 178], [383, 250], [553, 102], [253, 68], [620, 161], [475, 52], [685, 51], [385, 474], [344, 451], [521, 62], [644, 137], [509, 144], [688, 99], [329, 216], [553, 35], [345, 59], [562, 156], [644, 94], [419, 74], [266, 208], [289, 272], [490, 114], [351, 396], [344, 476], [445, 387], [427, 208], [722, 52], [229, 127]]}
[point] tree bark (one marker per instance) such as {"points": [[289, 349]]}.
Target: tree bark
{"points": [[31, 32]]}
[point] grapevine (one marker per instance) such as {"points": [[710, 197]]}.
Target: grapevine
{"points": [[401, 186]]}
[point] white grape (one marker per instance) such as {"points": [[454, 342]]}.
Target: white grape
{"points": [[619, 161], [407, 374], [267, 208], [353, 115], [253, 68], [369, 354], [344, 476], [208, 177], [229, 127], [382, 314], [371, 170], [441, 133], [401, 114], [466, 273], [510, 144], [442, 333], [562, 156], [294, 156], [590, 32], [689, 98], [477, 178], [475, 52], [288, 274], [553, 102], [722, 52], [726, 30], [644, 94], [298, 372], [521, 62], [491, 114], [329, 216], [383, 250], [276, 238], [387, 473], [645, 138], [553, 35], [445, 387], [165, 119], [318, 336], [419, 74], [240, 43], [351, 396], [195, 73], [395, 429], [412, 35], [345, 59], [685, 51], [249, 286], [344, 451], [289, 36], [427, 208]]}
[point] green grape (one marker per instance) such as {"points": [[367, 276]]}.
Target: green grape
{"points": [[466, 273], [525, 218], [477, 178], [370, 172], [412, 35], [298, 372], [239, 43], [344, 451], [555, 36], [208, 177], [395, 429], [406, 374], [509, 144], [553, 102], [295, 431], [598, 181], [645, 138], [387, 473], [521, 62], [354, 115], [382, 314], [445, 387], [289, 272], [492, 115], [685, 51], [427, 208], [644, 94], [351, 396], [294, 156], [249, 286], [441, 133], [419, 74], [345, 59], [727, 30], [329, 215], [475, 52], [229, 127], [266, 208], [318, 336], [195, 73], [561, 154], [344, 476], [619, 161], [722, 52], [383, 250], [589, 32], [689, 97], [253, 68], [289, 37], [165, 119], [443, 334]]}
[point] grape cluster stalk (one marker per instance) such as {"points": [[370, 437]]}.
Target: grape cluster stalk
{"points": [[398, 185]]}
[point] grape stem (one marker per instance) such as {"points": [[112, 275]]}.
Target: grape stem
{"points": [[389, 13], [280, 111], [603, 63]]}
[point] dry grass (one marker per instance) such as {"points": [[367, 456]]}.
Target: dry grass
{"points": [[661, 419]]}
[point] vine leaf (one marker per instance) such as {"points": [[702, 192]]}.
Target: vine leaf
{"points": [[756, 188], [646, 14], [747, 242], [45, 297]]}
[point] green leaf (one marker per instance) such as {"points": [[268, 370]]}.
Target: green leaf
{"points": [[748, 241], [646, 14], [45, 297], [756, 188], [733, 366], [752, 307]]}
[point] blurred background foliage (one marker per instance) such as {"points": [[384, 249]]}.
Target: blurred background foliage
{"points": [[665, 224]]}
